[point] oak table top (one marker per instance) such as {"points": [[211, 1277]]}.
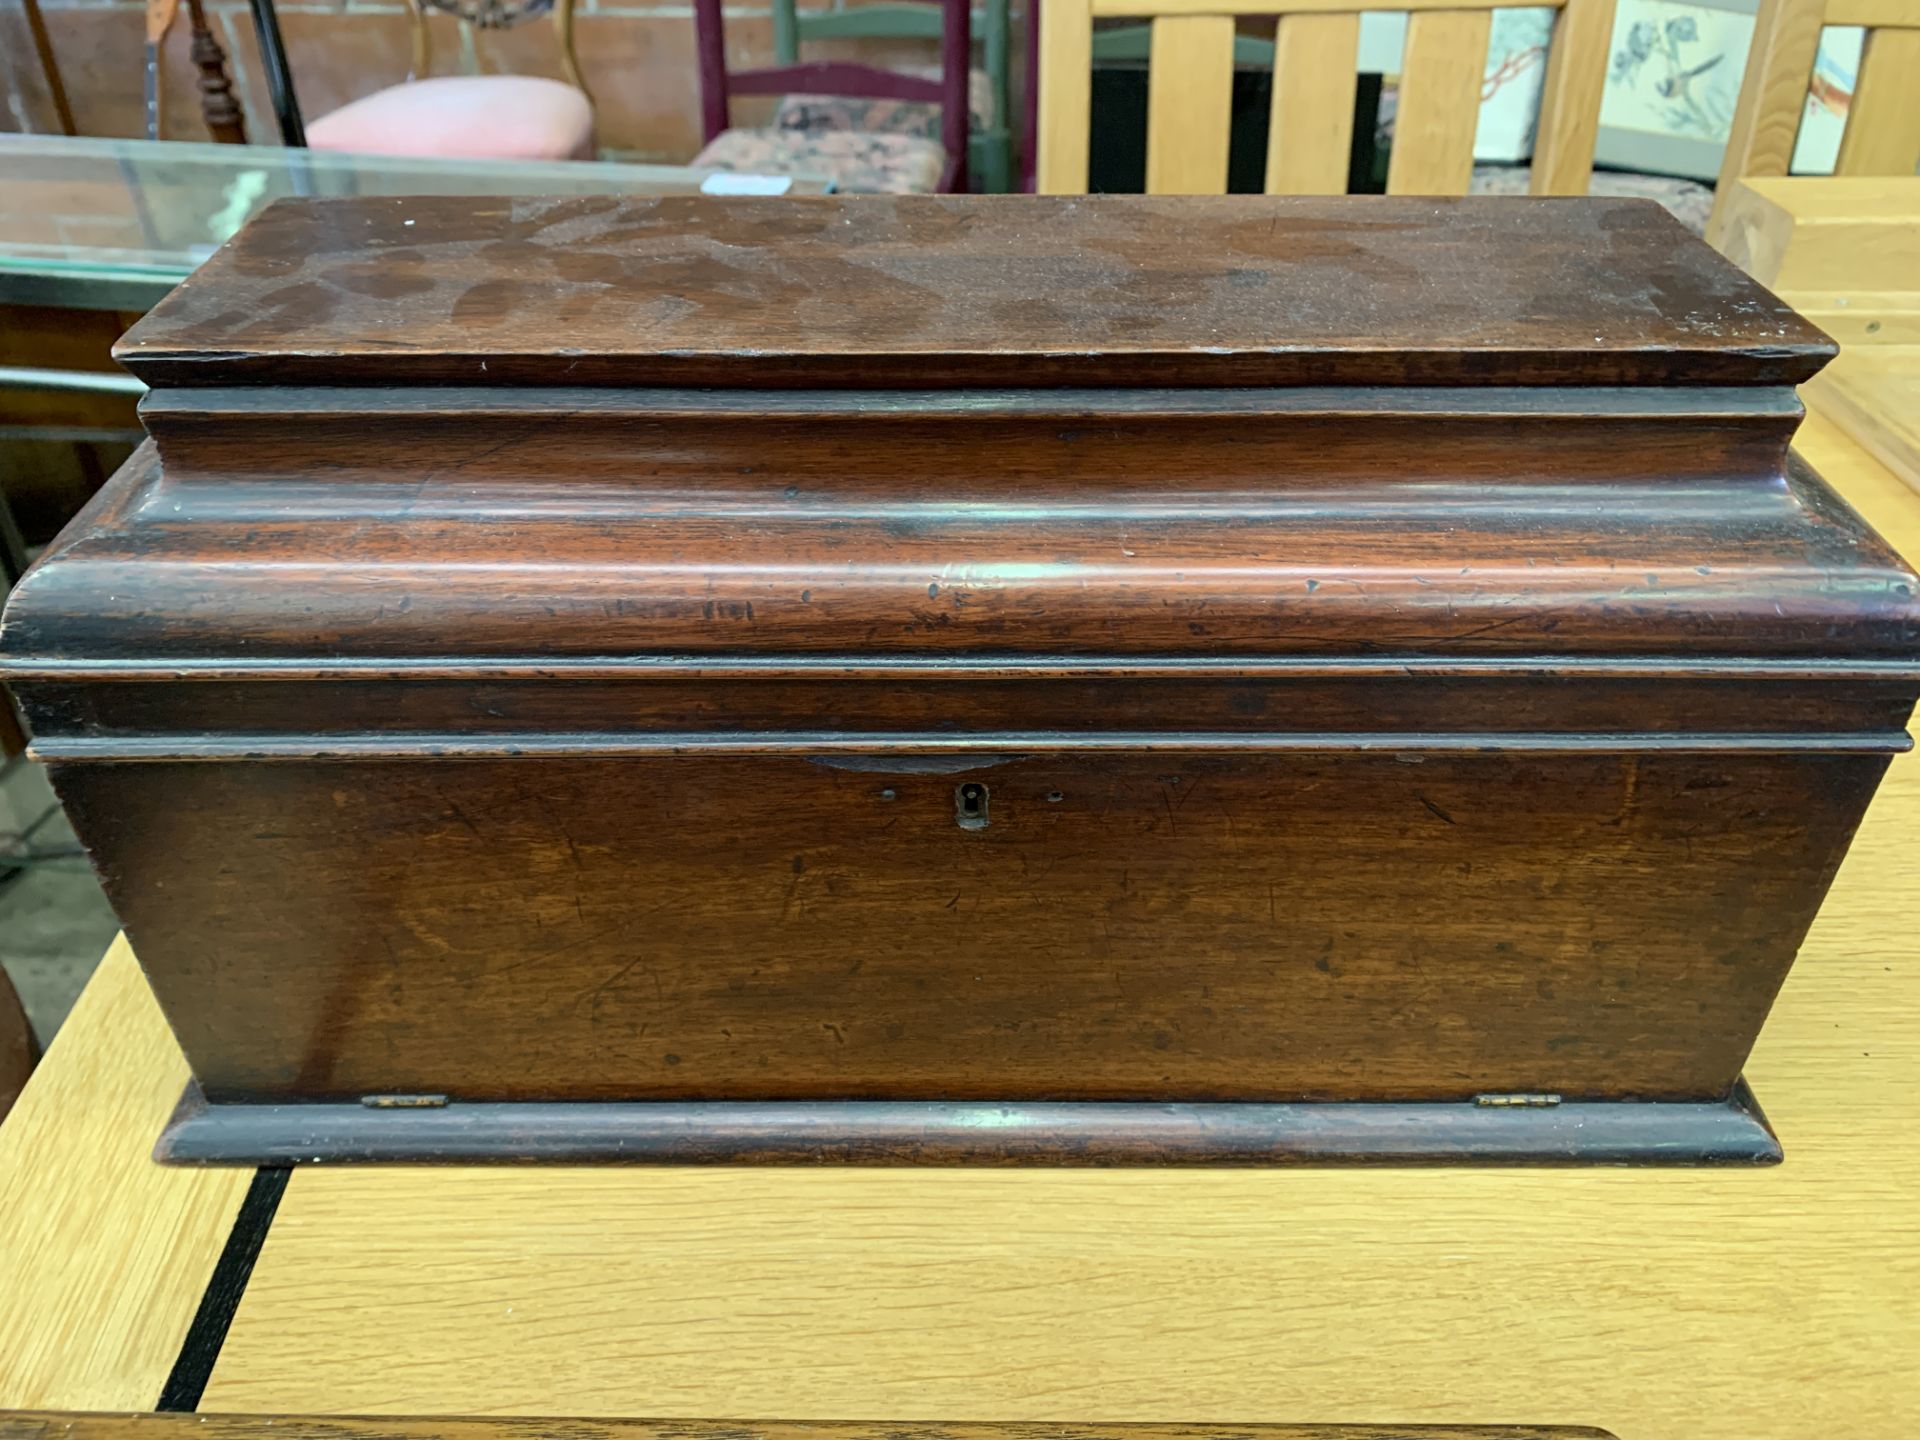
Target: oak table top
{"points": [[1660, 1304]]}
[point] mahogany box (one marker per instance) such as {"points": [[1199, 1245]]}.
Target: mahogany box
{"points": [[967, 680]]}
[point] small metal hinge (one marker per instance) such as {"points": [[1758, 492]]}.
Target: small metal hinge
{"points": [[403, 1102], [1520, 1098]]}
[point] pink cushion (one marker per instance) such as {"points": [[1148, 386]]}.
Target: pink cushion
{"points": [[486, 117]]}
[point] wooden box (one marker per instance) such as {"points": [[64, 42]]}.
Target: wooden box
{"points": [[945, 679]]}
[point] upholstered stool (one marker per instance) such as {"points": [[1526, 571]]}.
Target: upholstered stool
{"points": [[492, 117]]}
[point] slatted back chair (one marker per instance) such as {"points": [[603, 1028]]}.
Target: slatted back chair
{"points": [[718, 84], [991, 130], [1883, 119], [1190, 86]]}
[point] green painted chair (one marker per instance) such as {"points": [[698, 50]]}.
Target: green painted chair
{"points": [[989, 146]]}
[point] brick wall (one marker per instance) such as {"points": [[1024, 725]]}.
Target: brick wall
{"points": [[638, 60]]}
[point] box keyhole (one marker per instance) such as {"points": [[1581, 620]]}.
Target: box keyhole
{"points": [[970, 806]]}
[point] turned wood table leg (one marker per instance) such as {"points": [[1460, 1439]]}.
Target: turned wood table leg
{"points": [[225, 121]]}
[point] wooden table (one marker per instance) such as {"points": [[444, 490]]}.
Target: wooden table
{"points": [[1662, 1304]]}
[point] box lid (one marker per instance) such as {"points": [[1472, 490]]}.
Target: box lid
{"points": [[711, 438], [936, 291]]}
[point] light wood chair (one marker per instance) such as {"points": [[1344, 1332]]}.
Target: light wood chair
{"points": [[225, 121], [1190, 85], [1883, 120]]}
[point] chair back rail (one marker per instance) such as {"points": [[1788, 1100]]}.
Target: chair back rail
{"points": [[718, 84], [1882, 135], [494, 15], [990, 147], [1189, 96]]}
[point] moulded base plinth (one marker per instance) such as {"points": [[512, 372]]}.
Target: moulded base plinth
{"points": [[933, 1132]]}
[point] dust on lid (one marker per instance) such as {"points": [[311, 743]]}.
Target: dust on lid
{"points": [[955, 291]]}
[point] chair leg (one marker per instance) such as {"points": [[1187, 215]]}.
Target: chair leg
{"points": [[13, 545], [13, 736], [990, 161], [993, 160], [19, 1051]]}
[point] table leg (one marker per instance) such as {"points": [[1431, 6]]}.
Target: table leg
{"points": [[13, 545]]}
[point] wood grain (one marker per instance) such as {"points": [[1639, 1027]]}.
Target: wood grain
{"points": [[1445, 57], [1871, 13], [678, 897], [1495, 1131], [1569, 119], [1753, 567], [1883, 122], [1695, 1306], [300, 1427], [104, 1254], [915, 292], [1189, 104], [1816, 234], [1773, 93], [1873, 392], [1844, 252], [1066, 98], [753, 928], [1310, 133]]}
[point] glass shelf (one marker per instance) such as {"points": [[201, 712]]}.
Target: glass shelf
{"points": [[114, 224]]}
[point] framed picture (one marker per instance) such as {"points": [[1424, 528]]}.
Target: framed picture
{"points": [[1673, 80]]}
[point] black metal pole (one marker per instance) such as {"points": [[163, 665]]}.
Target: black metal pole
{"points": [[273, 54]]}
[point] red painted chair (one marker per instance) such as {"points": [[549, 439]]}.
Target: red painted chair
{"points": [[858, 161]]}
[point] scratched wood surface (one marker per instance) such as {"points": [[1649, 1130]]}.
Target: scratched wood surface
{"points": [[1661, 1305], [585, 912], [103, 1254], [1696, 1306], [665, 928], [904, 291]]}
